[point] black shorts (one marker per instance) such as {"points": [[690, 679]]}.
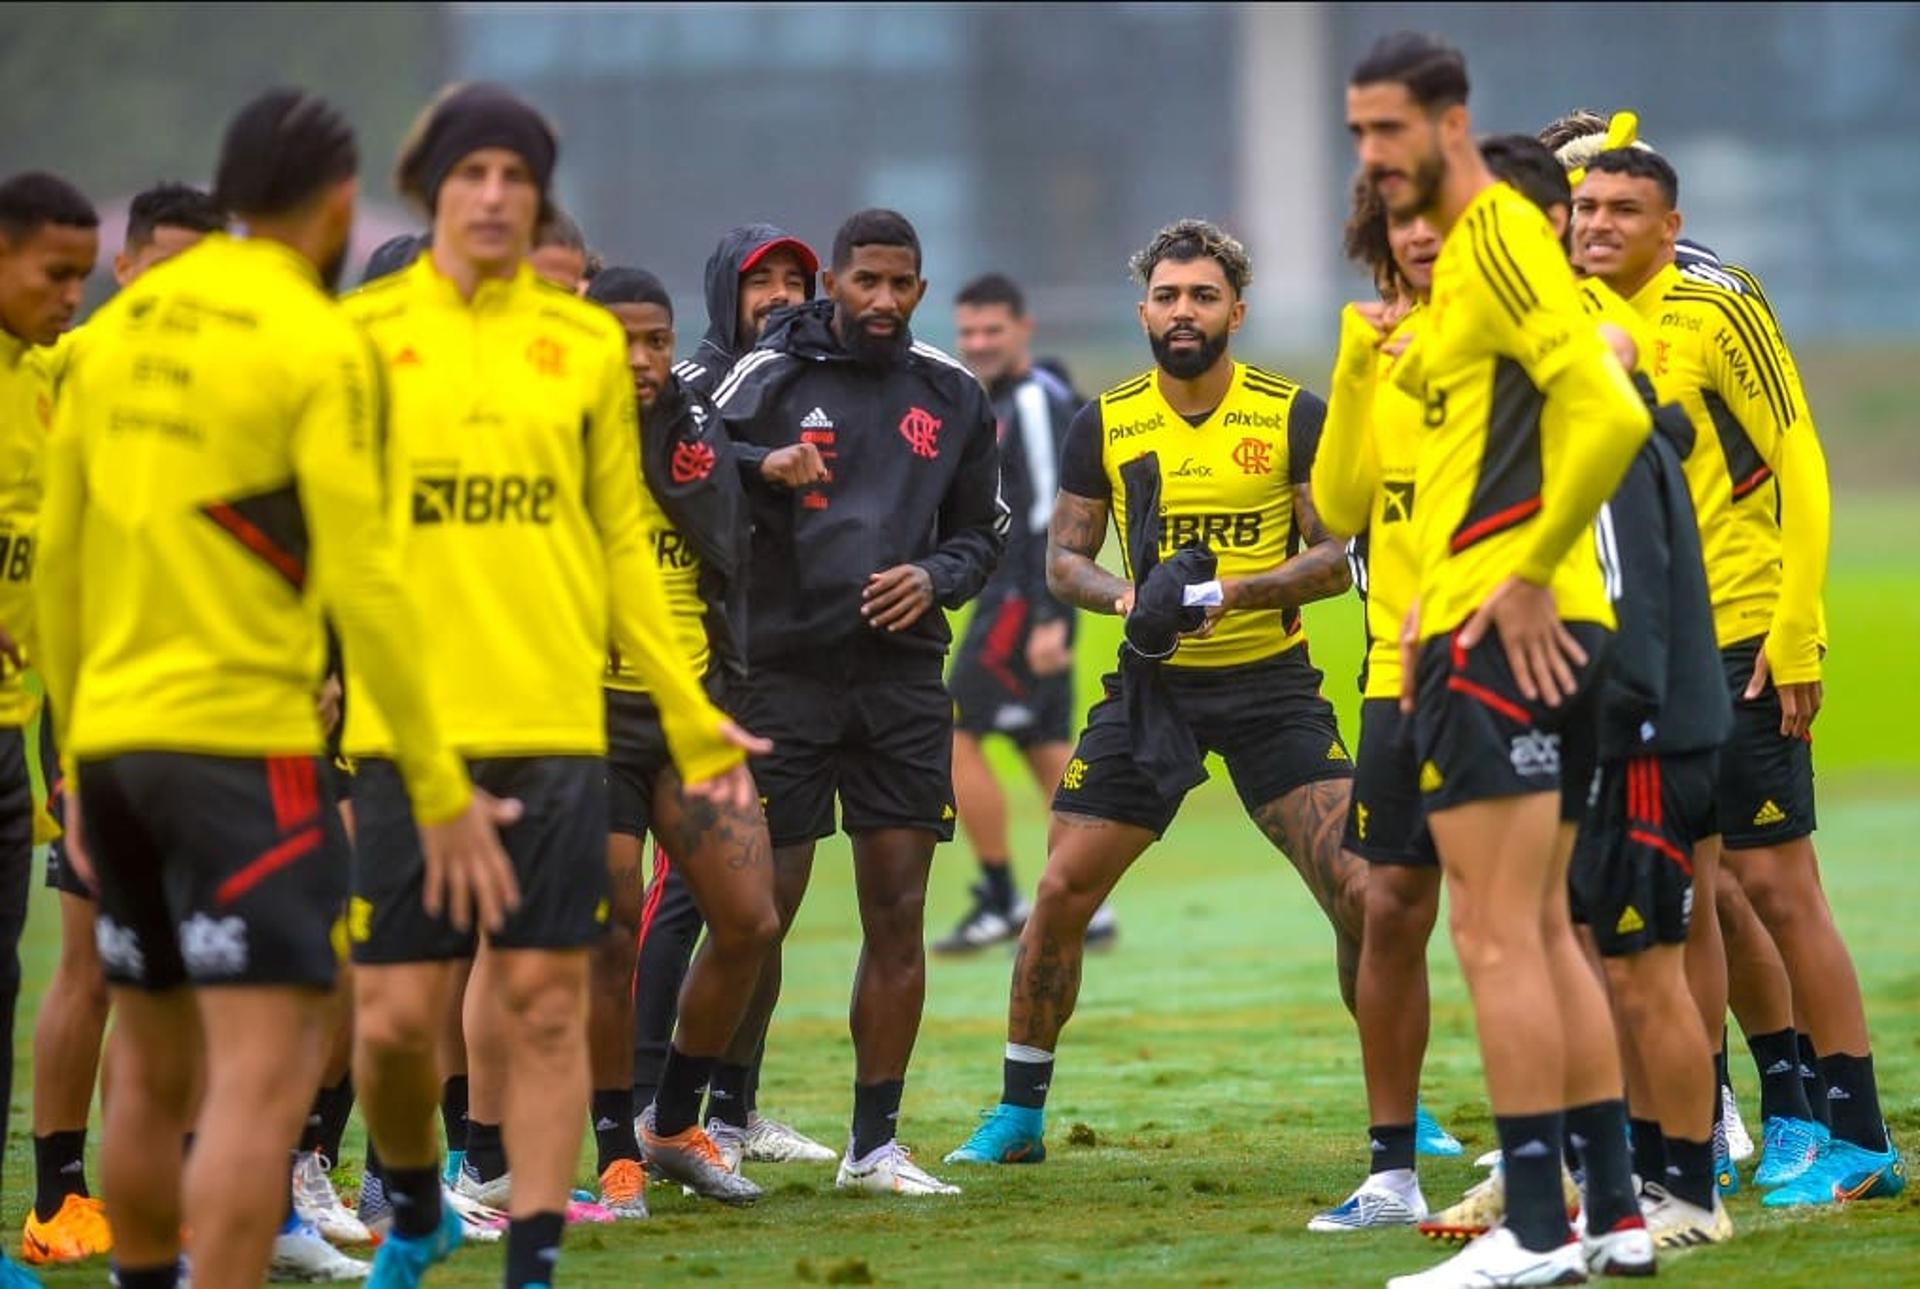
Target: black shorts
{"points": [[1266, 719], [1633, 864], [636, 757], [996, 692], [61, 875], [1479, 739], [558, 849], [214, 870], [1385, 823], [872, 726], [1766, 779]]}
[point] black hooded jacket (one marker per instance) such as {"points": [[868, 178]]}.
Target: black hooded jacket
{"points": [[915, 478], [723, 344], [687, 461]]}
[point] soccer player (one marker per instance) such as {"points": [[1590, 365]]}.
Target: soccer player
{"points": [[844, 638], [1530, 422], [1759, 484], [1232, 445], [66, 1223], [1363, 486], [560, 251], [221, 423], [753, 271], [1013, 672], [49, 236], [517, 498], [696, 531]]}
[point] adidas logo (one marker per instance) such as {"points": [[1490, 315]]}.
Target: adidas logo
{"points": [[1430, 779], [1769, 814], [605, 1125], [1336, 753], [1838, 1093], [1535, 1149], [1630, 921], [1779, 1067], [816, 420]]}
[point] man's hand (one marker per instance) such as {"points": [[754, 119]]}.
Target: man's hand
{"points": [[1047, 650], [468, 870], [1799, 702], [1622, 344], [794, 466], [328, 701], [1123, 604], [1540, 649], [734, 789], [1409, 655], [895, 597]]}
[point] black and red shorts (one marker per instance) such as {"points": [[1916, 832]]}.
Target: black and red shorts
{"points": [[1632, 871]]}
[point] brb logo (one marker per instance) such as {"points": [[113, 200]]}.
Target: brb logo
{"points": [[691, 462], [483, 499], [1254, 456], [921, 429]]}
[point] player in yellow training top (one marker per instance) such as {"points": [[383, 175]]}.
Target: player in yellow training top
{"points": [[1199, 453], [516, 490], [1759, 483], [1363, 484], [49, 236], [213, 484], [1529, 422]]}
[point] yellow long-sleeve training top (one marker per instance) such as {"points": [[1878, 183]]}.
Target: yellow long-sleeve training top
{"points": [[516, 485], [213, 484], [26, 415]]}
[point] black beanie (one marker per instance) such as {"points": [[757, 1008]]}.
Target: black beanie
{"points": [[617, 284], [469, 118]]}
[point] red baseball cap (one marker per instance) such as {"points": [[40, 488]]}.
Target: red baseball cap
{"points": [[808, 260]]}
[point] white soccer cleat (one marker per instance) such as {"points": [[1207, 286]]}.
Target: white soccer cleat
{"points": [[1489, 1160], [1675, 1224], [479, 1222], [730, 1141], [769, 1141], [301, 1256], [1740, 1146], [1498, 1259], [889, 1170], [1379, 1202], [1623, 1251], [315, 1200], [496, 1194]]}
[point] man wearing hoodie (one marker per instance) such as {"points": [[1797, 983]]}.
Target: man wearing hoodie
{"points": [[755, 269], [844, 649]]}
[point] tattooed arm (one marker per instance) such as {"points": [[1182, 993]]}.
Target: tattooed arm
{"points": [[1074, 538], [1316, 573]]}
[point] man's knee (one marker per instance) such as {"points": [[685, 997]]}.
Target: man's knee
{"points": [[746, 933], [388, 1018], [1401, 907], [543, 996], [1782, 890], [1487, 942]]}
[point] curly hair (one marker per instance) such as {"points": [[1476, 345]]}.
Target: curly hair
{"points": [[1366, 243], [1576, 124], [1192, 239]]}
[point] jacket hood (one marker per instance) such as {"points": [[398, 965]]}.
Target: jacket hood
{"points": [[806, 331], [738, 250]]}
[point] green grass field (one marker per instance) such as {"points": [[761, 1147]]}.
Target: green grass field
{"points": [[1208, 1098]]}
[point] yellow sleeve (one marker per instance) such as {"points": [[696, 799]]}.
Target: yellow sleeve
{"points": [[354, 567], [1754, 374], [1594, 421], [642, 624], [1346, 469], [56, 581]]}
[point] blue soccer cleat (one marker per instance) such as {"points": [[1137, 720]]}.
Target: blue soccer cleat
{"points": [[1843, 1174], [1429, 1138], [401, 1263], [1789, 1147], [15, 1276], [450, 1171], [1008, 1134]]}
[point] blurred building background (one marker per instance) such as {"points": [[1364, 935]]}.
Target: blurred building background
{"points": [[1044, 140]]}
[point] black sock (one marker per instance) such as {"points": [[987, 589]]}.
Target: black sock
{"points": [[415, 1196], [996, 877], [876, 1111], [1814, 1085], [1025, 1083], [1391, 1145], [727, 1092], [336, 1107], [753, 1078], [1599, 1131], [486, 1150], [453, 1111], [1724, 1080], [1689, 1171], [59, 1170], [1782, 1094], [1649, 1150], [613, 1137], [161, 1277], [682, 1079], [533, 1249], [1854, 1098], [1530, 1156]]}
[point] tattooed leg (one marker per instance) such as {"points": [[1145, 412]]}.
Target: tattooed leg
{"points": [[728, 864], [1306, 825], [1085, 860]]}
